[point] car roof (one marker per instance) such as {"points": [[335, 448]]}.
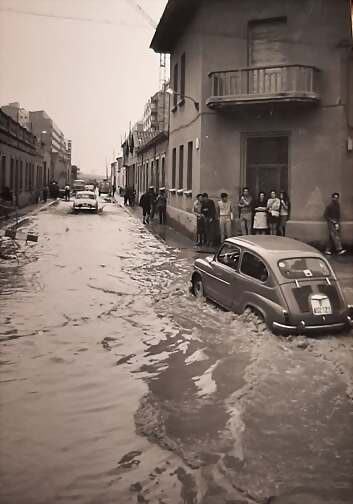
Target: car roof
{"points": [[86, 192], [275, 246]]}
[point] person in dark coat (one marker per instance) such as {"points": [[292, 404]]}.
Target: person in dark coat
{"points": [[332, 216], [162, 206], [208, 214], [146, 204], [45, 193]]}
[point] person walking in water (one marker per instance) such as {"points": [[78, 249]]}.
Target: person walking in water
{"points": [[146, 203], [225, 215], [260, 215], [67, 192], [332, 216], [273, 207], [245, 211]]}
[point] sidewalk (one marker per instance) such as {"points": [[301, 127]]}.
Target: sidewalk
{"points": [[14, 219], [166, 233]]}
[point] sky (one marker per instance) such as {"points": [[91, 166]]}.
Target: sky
{"points": [[92, 77]]}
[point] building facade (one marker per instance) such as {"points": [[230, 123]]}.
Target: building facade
{"points": [[273, 82], [22, 169], [156, 113]]}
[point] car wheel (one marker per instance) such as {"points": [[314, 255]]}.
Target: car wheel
{"points": [[198, 288]]}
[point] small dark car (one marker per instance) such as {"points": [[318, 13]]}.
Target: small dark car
{"points": [[289, 284]]}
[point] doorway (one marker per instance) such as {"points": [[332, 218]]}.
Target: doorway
{"points": [[267, 164]]}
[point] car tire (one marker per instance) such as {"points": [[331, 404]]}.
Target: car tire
{"points": [[198, 288]]}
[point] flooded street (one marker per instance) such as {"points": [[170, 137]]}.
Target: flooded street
{"points": [[117, 386]]}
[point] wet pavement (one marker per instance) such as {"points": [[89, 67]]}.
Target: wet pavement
{"points": [[116, 386]]}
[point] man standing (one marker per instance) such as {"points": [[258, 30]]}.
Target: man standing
{"points": [[45, 193], [332, 215], [225, 213], [153, 202], [200, 225], [67, 192], [208, 214], [162, 206], [245, 211], [146, 203]]}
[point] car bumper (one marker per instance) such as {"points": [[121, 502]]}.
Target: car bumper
{"points": [[303, 328], [85, 208]]}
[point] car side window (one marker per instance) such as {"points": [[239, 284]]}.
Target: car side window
{"points": [[252, 266], [229, 255]]}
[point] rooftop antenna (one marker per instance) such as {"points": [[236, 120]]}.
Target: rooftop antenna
{"points": [[162, 57]]}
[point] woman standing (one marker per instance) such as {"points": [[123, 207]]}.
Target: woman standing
{"points": [[283, 212], [260, 215], [273, 207]]}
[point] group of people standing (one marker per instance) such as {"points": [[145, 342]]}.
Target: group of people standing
{"points": [[261, 216], [152, 203], [265, 215]]}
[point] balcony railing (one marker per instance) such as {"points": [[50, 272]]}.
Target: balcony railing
{"points": [[288, 83]]}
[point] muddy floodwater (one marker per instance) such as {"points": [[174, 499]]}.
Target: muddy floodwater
{"points": [[116, 386]]}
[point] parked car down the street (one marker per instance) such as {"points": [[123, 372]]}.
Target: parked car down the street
{"points": [[287, 283], [85, 200]]}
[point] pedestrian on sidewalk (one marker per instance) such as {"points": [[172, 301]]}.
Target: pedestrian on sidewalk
{"points": [[200, 225], [45, 193], [113, 190], [146, 203], [162, 206], [283, 213], [67, 192], [273, 208], [245, 211], [225, 215], [332, 216], [260, 226], [153, 202], [208, 214]]}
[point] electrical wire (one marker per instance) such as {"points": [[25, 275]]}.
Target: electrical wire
{"points": [[75, 18]]}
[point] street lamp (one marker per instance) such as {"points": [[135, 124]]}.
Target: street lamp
{"points": [[172, 92]]}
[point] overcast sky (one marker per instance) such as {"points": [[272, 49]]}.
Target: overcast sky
{"points": [[92, 78]]}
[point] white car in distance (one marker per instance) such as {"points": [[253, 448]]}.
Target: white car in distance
{"points": [[85, 200]]}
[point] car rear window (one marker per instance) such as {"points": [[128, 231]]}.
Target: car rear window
{"points": [[85, 196], [303, 267]]}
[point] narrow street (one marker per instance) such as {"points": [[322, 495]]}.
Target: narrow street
{"points": [[117, 386]]}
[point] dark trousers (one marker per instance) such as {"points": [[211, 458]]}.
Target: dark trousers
{"points": [[162, 215], [146, 214]]}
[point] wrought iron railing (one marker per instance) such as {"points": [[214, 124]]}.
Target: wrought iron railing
{"points": [[270, 81]]}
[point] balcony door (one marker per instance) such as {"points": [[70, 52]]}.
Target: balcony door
{"points": [[267, 164], [267, 47]]}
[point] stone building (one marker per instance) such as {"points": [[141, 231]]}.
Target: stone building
{"points": [[263, 98], [22, 169]]}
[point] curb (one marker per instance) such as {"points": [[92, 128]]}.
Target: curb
{"points": [[25, 218]]}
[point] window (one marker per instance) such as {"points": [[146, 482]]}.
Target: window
{"points": [[189, 168], [157, 174], [147, 175], [45, 181], [20, 178], [252, 266], [12, 170], [2, 173], [181, 167], [175, 84], [174, 169], [16, 176], [182, 77], [152, 174], [303, 267], [229, 255], [163, 172]]}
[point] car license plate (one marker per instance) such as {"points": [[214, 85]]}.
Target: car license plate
{"points": [[321, 305]]}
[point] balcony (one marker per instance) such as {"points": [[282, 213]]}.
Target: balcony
{"points": [[264, 85]]}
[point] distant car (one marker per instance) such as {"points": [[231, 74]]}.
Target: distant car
{"points": [[89, 187], [287, 283], [85, 200]]}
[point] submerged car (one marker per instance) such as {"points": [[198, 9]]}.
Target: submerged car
{"points": [[85, 200], [287, 283]]}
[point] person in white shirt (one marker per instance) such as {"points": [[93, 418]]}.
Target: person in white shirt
{"points": [[225, 215], [273, 208]]}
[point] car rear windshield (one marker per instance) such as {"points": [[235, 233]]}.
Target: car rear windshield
{"points": [[85, 196], [303, 267]]}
